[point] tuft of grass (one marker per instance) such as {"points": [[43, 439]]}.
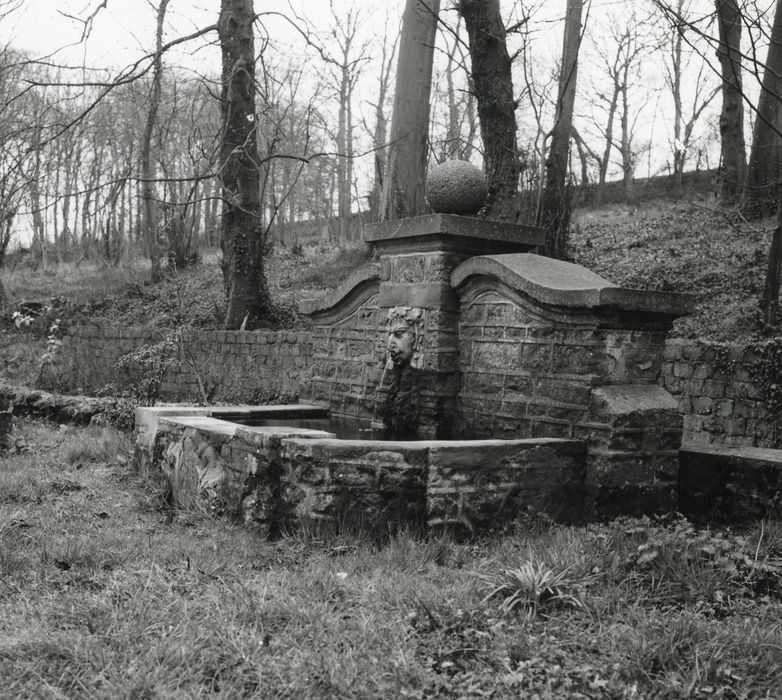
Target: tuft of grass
{"points": [[534, 587], [96, 444]]}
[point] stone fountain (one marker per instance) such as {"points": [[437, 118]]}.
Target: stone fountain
{"points": [[512, 381]]}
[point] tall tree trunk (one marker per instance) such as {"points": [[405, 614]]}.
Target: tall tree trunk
{"points": [[4, 305], [403, 186], [491, 77], [626, 143], [343, 161], [555, 207], [760, 191], [734, 156], [39, 229], [381, 129], [452, 146], [769, 300], [675, 83], [248, 303], [149, 191]]}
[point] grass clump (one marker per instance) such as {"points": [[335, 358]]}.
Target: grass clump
{"points": [[95, 444], [534, 587]]}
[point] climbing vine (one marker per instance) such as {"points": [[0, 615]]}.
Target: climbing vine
{"points": [[765, 373]]}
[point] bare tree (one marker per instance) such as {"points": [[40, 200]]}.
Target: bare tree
{"points": [[242, 242], [677, 60], [734, 156], [149, 194], [347, 62], [555, 207], [490, 70], [380, 129], [403, 185], [763, 172]]}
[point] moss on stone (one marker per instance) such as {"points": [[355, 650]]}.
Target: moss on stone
{"points": [[456, 187]]}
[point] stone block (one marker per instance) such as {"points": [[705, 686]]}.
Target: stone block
{"points": [[682, 369], [536, 357], [692, 351], [581, 360], [473, 486], [382, 483], [484, 384], [730, 484], [495, 355], [637, 403], [615, 468], [673, 350], [519, 388], [714, 388], [702, 405]]}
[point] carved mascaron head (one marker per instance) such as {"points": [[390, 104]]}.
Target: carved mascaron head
{"points": [[404, 337]]}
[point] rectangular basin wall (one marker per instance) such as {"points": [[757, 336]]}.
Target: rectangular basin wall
{"points": [[282, 480]]}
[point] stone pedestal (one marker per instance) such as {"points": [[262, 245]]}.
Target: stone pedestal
{"points": [[417, 257]]}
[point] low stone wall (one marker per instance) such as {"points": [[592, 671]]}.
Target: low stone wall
{"points": [[719, 394], [240, 366]]}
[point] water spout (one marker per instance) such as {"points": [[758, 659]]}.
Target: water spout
{"points": [[375, 424]]}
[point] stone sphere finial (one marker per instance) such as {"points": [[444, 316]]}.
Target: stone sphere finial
{"points": [[456, 187]]}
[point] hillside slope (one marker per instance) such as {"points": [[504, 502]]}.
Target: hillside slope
{"points": [[694, 247], [687, 246]]}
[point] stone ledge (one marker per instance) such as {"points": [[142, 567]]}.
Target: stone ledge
{"points": [[729, 483], [564, 284], [468, 235]]}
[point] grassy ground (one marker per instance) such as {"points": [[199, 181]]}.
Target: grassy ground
{"points": [[104, 594]]}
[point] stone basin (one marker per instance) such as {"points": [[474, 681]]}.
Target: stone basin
{"points": [[280, 477]]}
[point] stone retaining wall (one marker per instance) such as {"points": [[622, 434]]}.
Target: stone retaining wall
{"points": [[719, 406], [240, 366], [719, 394]]}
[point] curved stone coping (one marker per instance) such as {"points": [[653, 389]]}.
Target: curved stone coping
{"points": [[560, 283], [366, 276]]}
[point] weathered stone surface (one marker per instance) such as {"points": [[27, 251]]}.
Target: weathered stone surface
{"points": [[475, 486], [382, 484], [631, 465], [639, 401], [467, 235], [359, 285], [729, 483], [57, 407], [456, 187], [717, 399], [560, 283]]}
